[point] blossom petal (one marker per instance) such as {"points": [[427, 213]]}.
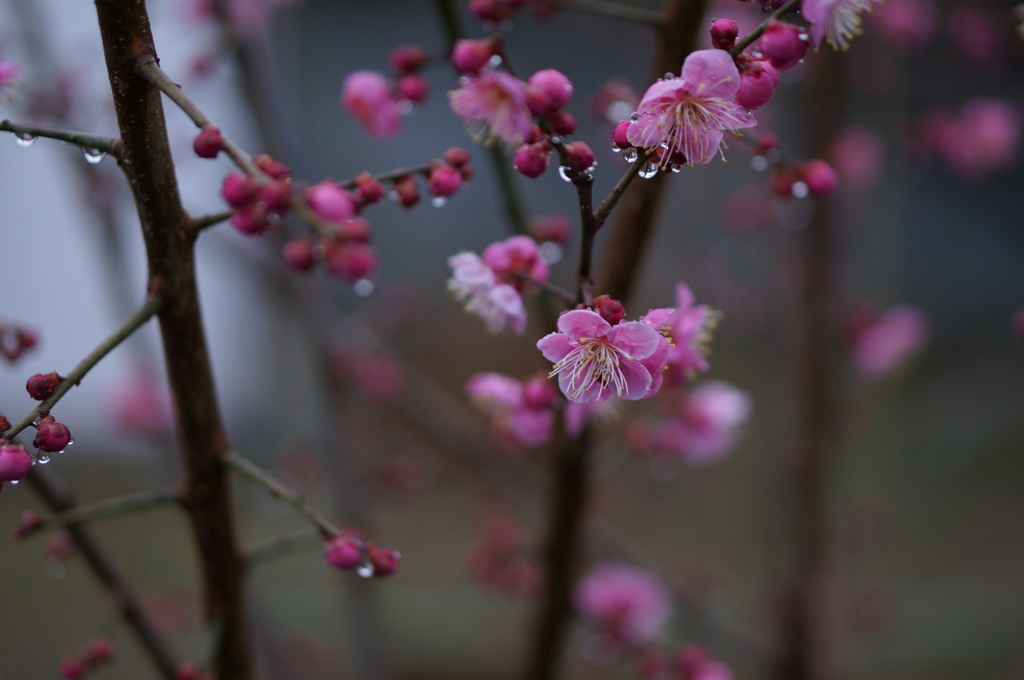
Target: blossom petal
{"points": [[583, 323], [711, 73], [636, 339], [555, 346]]}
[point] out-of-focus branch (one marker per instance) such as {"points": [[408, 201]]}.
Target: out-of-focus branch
{"points": [[106, 508], [615, 10], [166, 227]]}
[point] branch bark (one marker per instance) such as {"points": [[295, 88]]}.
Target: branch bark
{"points": [[170, 240]]}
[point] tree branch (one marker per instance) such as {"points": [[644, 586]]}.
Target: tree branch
{"points": [[85, 140]]}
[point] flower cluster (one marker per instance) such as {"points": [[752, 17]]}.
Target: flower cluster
{"points": [[979, 140], [349, 552], [630, 605], [491, 287], [14, 340], [519, 409], [379, 103], [883, 342]]}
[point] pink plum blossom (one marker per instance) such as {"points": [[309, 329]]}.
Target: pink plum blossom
{"points": [[908, 24], [521, 410], [982, 139], [690, 328], [703, 427], [515, 256], [594, 359], [494, 105], [474, 284], [630, 604], [837, 21], [367, 96], [892, 338], [690, 114]]}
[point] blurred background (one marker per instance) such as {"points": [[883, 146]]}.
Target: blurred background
{"points": [[354, 395]]}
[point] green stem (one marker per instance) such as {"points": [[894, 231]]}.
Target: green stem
{"points": [[106, 508], [256, 474], [85, 140], [759, 31], [615, 10], [150, 308]]}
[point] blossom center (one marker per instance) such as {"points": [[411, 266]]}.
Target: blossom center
{"points": [[594, 361]]}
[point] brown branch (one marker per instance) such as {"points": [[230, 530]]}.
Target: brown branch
{"points": [[88, 142], [169, 240]]}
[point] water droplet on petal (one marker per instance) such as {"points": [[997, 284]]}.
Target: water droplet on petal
{"points": [[439, 201], [670, 76], [93, 156], [759, 163], [43, 459], [363, 287], [630, 154], [800, 190], [648, 170], [634, 116], [563, 172], [365, 569], [24, 139]]}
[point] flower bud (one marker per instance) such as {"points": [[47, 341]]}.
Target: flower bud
{"points": [[619, 137], [405, 190], [275, 169], [330, 202], [724, 33], [554, 229], [757, 84], [414, 88], [253, 220], [209, 142], [298, 254], [355, 229], [562, 122], [344, 551], [579, 156], [490, 11], [531, 160], [42, 385], [554, 84], [444, 180], [456, 157], [15, 462], [52, 437], [277, 196], [238, 190], [368, 189], [821, 179], [783, 44], [384, 560], [610, 310], [350, 261], [470, 56], [408, 58]]}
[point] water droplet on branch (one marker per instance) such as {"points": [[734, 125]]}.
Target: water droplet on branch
{"points": [[24, 139]]}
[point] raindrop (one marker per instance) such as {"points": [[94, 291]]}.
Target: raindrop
{"points": [[24, 139], [439, 201], [43, 459], [563, 172], [676, 167], [365, 569], [15, 481], [759, 163], [630, 154], [800, 189], [556, 140], [363, 287], [634, 116], [71, 441], [649, 170], [670, 76], [93, 156], [550, 252], [494, 62], [404, 106]]}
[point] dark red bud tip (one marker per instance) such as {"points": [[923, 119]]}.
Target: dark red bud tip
{"points": [[610, 310], [209, 142], [276, 169], [456, 157], [299, 254], [52, 437], [724, 33], [42, 385], [384, 560]]}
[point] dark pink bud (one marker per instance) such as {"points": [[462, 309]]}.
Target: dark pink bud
{"points": [[276, 169], [783, 44], [351, 261], [456, 157], [537, 101], [413, 88], [27, 339], [444, 180], [344, 551], [299, 254], [384, 560], [277, 196], [405, 191], [42, 385], [782, 181], [368, 189], [101, 650], [466, 171], [535, 135], [330, 202], [619, 135], [539, 393], [72, 668], [579, 156], [610, 310], [239, 190], [724, 33], [15, 462], [355, 229], [562, 122], [491, 11], [52, 437], [820, 178], [554, 84], [554, 228], [408, 58], [469, 56], [252, 221], [757, 84], [209, 142], [532, 160]]}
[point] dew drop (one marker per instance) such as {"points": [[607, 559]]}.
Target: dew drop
{"points": [[634, 116], [550, 252], [494, 62], [439, 201], [24, 139], [670, 76], [759, 163], [800, 190], [363, 287], [405, 107], [563, 172], [93, 156], [630, 154], [43, 459], [365, 569], [15, 481], [676, 167], [648, 170], [556, 140], [71, 441]]}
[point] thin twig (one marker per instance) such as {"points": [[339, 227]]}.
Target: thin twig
{"points": [[551, 288], [206, 221], [256, 474], [759, 31], [87, 141], [609, 203], [393, 174], [149, 308], [105, 508], [283, 545]]}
